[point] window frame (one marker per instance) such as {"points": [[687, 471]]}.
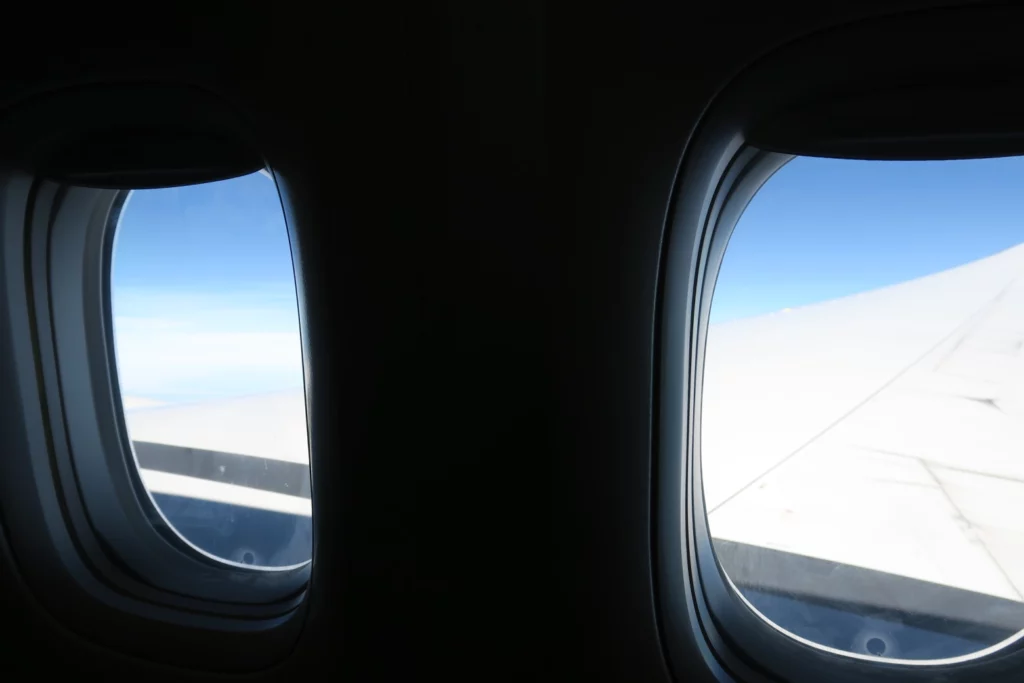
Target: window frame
{"points": [[777, 107], [700, 611], [240, 583], [85, 544]]}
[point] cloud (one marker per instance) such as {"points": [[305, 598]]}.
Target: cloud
{"points": [[195, 345]]}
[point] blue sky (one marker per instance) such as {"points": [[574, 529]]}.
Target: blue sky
{"points": [[204, 297], [825, 228], [203, 293]]}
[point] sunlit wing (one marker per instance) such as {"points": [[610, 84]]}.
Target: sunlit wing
{"points": [[253, 444], [883, 430], [245, 459]]}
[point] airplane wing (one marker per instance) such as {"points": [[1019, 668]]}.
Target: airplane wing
{"points": [[866, 452], [231, 475], [874, 439]]}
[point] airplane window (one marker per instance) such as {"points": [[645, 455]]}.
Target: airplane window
{"points": [[862, 419], [209, 361]]}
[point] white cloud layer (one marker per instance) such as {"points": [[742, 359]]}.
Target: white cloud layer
{"points": [[174, 347]]}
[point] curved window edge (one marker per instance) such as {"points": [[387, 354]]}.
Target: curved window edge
{"points": [[116, 503], [76, 573], [290, 577], [781, 102], [700, 612]]}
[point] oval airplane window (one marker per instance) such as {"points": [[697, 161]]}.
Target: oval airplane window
{"points": [[209, 362], [862, 416]]}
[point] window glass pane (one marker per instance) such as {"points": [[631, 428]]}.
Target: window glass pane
{"points": [[209, 361], [863, 405]]}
